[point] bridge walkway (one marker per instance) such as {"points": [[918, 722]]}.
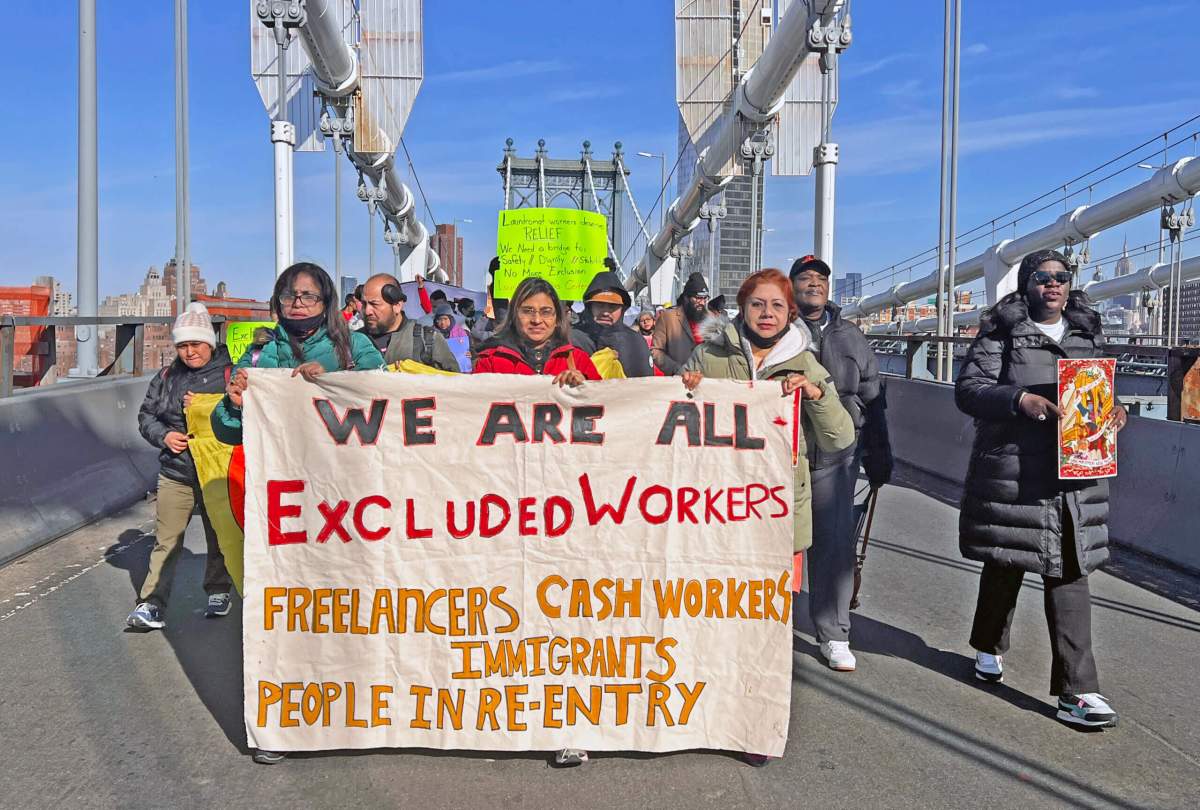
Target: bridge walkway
{"points": [[95, 717]]}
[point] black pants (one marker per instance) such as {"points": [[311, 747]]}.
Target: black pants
{"points": [[1068, 615]]}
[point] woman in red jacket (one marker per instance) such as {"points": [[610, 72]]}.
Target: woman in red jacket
{"points": [[534, 339]]}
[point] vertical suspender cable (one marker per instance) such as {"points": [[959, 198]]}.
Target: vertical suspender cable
{"points": [[87, 215], [942, 329], [951, 255]]}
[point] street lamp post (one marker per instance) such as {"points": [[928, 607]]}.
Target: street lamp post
{"points": [[662, 200]]}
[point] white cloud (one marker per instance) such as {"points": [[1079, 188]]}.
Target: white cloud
{"points": [[503, 70], [976, 49], [583, 93], [1072, 92], [855, 70]]}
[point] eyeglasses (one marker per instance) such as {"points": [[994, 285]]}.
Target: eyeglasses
{"points": [[529, 313], [1042, 277], [305, 298]]}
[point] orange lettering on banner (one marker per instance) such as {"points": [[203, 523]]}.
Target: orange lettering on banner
{"points": [[489, 701], [320, 611], [351, 720], [268, 695], [379, 704], [552, 703], [690, 696], [270, 608], [298, 601], [755, 609], [313, 704], [783, 587], [656, 701], [549, 610], [288, 707], [452, 709], [420, 693], [591, 710], [512, 700], [712, 607], [383, 608], [332, 692], [663, 647], [467, 670], [622, 693]]}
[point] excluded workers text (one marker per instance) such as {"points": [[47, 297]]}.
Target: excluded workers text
{"points": [[371, 518]]}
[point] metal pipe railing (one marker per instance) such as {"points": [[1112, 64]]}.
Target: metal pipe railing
{"points": [[1170, 184]]}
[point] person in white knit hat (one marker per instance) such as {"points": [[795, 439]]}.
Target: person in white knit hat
{"points": [[201, 367]]}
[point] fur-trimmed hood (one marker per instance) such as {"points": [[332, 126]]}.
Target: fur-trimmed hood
{"points": [[1012, 310]]}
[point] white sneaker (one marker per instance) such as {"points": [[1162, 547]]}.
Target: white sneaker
{"points": [[570, 757], [1089, 709], [838, 654], [989, 667]]}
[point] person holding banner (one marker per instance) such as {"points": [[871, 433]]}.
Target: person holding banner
{"points": [[763, 343], [201, 367], [312, 337], [1017, 516], [535, 339]]}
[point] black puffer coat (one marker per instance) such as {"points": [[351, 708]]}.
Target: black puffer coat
{"points": [[843, 349], [162, 409], [1013, 503]]}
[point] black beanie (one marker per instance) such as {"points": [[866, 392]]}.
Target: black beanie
{"points": [[696, 285], [1035, 260]]}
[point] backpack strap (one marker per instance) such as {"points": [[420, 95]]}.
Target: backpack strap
{"points": [[426, 335]]}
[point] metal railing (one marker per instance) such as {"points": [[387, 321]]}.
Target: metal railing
{"points": [[129, 348]]}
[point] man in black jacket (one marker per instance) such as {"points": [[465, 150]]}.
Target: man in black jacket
{"points": [[200, 368], [843, 349], [606, 302]]}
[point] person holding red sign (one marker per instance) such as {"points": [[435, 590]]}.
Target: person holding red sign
{"points": [[1017, 516]]}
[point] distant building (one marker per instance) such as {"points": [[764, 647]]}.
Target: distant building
{"points": [[1189, 311], [1124, 267], [449, 247], [847, 288], [31, 361], [198, 285], [732, 234], [349, 284]]}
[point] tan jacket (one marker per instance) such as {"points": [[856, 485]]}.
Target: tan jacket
{"points": [[673, 343]]}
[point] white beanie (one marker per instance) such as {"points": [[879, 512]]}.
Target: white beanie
{"points": [[194, 324]]}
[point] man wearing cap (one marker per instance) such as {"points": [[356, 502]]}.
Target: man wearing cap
{"points": [[605, 302], [200, 367], [396, 336], [843, 349], [677, 332]]}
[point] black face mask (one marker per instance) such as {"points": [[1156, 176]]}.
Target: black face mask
{"points": [[302, 327], [760, 342]]}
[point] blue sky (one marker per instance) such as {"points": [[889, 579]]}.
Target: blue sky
{"points": [[1049, 91]]}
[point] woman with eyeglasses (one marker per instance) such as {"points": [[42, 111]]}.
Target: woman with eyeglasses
{"points": [[312, 337], [1017, 516], [534, 338]]}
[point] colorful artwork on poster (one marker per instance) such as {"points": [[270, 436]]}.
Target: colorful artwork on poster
{"points": [[1087, 435]]}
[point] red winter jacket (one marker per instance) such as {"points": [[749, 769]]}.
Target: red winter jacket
{"points": [[499, 358]]}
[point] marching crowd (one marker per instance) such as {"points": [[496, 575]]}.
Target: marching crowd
{"points": [[1017, 516]]}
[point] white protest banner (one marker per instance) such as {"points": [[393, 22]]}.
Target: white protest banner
{"points": [[495, 563]]}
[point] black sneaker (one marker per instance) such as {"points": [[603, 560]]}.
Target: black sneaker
{"points": [[218, 605], [756, 760], [145, 617], [264, 757], [1089, 710]]}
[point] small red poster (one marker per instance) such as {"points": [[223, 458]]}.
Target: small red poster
{"points": [[1087, 436]]}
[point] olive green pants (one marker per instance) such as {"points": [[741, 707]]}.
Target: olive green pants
{"points": [[176, 502]]}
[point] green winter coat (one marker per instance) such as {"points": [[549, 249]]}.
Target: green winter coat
{"points": [[827, 425], [318, 348]]}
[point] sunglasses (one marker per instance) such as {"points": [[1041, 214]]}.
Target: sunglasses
{"points": [[1042, 277]]}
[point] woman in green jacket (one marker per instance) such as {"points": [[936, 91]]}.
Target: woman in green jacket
{"points": [[312, 338], [762, 344]]}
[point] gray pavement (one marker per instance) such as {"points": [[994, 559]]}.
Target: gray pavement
{"points": [[91, 716]]}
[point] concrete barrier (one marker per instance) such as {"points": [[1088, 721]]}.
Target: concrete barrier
{"points": [[1155, 505], [69, 455]]}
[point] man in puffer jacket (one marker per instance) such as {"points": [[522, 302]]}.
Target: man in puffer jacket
{"points": [[201, 367]]}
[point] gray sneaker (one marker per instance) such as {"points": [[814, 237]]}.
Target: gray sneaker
{"points": [[570, 757], [145, 617], [264, 757], [218, 605]]}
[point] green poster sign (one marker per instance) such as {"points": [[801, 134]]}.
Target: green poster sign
{"points": [[562, 245], [239, 336]]}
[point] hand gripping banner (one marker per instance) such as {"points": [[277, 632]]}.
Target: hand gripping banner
{"points": [[496, 563]]}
